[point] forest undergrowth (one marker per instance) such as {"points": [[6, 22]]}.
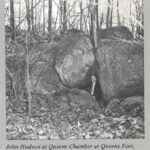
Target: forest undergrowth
{"points": [[56, 117], [53, 119]]}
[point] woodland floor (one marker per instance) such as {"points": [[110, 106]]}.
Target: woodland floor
{"points": [[53, 119], [57, 118]]}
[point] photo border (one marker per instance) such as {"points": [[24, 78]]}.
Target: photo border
{"points": [[139, 144]]}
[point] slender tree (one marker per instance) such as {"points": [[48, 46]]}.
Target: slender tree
{"points": [[32, 15], [12, 19], [19, 13], [28, 14], [93, 21], [50, 16], [60, 15], [28, 84], [142, 17], [111, 14], [57, 16], [91, 26], [131, 22], [64, 17], [102, 20], [97, 15], [35, 12], [81, 16], [43, 16], [137, 26], [108, 14], [118, 13], [139, 16], [109, 17], [39, 17]]}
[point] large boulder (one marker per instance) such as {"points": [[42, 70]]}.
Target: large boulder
{"points": [[133, 106], [77, 97], [43, 77], [118, 32], [120, 68], [82, 98], [75, 60]]}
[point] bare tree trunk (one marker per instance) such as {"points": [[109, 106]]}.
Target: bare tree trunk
{"points": [[12, 19], [93, 21], [40, 13], [81, 16], [137, 18], [118, 14], [97, 14], [44, 17], [35, 12], [108, 15], [32, 16], [6, 13], [85, 22], [60, 16], [111, 15], [73, 18], [19, 14], [28, 77], [136, 9], [28, 15], [64, 18], [91, 26], [89, 20], [132, 26], [102, 20], [69, 18], [56, 19], [142, 18], [50, 16]]}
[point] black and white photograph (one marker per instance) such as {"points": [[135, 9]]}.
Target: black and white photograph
{"points": [[74, 69]]}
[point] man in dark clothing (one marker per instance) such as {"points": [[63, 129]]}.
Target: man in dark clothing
{"points": [[96, 90]]}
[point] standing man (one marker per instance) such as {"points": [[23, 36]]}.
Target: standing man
{"points": [[96, 90]]}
